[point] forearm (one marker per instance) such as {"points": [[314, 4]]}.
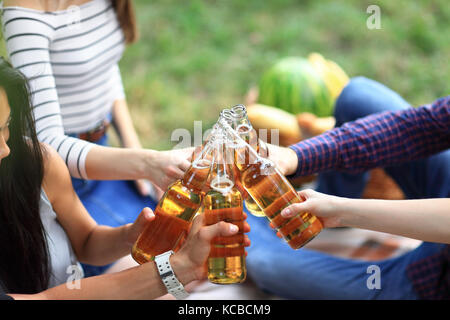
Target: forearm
{"points": [[425, 219], [124, 125], [105, 245], [108, 163], [160, 167], [379, 140], [141, 282]]}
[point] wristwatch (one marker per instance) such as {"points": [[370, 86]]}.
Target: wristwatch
{"points": [[174, 287]]}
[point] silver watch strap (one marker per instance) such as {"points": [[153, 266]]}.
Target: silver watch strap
{"points": [[174, 287]]}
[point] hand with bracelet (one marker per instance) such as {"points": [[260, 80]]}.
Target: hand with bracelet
{"points": [[144, 281], [42, 215], [74, 98]]}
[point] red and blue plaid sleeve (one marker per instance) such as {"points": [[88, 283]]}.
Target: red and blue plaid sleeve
{"points": [[430, 276], [378, 140]]}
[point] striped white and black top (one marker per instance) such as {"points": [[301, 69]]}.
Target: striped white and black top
{"points": [[71, 60]]}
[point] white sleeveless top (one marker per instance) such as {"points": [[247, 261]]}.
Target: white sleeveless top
{"points": [[62, 257], [70, 58], [64, 265]]}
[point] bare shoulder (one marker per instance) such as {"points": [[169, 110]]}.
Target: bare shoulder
{"points": [[43, 5], [56, 174], [31, 4]]}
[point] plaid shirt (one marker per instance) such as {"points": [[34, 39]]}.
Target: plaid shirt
{"points": [[381, 140]]}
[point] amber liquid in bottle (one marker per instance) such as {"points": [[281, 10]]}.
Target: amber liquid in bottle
{"points": [[174, 214], [273, 192], [253, 207], [248, 134], [226, 262]]}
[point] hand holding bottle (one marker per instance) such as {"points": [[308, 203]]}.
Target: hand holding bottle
{"points": [[324, 206], [165, 167], [194, 252], [133, 230]]}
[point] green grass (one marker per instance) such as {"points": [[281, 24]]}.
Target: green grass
{"points": [[196, 57]]}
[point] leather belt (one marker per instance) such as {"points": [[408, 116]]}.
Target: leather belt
{"points": [[95, 134]]}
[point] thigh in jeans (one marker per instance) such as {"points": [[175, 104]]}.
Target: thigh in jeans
{"points": [[308, 274]]}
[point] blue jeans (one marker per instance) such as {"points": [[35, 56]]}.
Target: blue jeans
{"points": [[309, 274], [110, 202]]}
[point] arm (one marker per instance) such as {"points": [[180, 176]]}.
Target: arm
{"points": [[424, 219], [27, 43], [140, 282], [121, 115], [92, 243], [124, 125], [143, 282], [160, 167], [378, 140]]}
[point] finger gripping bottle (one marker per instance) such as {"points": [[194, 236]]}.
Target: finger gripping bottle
{"points": [[226, 262], [175, 211]]}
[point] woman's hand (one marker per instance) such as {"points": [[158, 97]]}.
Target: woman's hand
{"points": [[285, 158], [190, 260], [165, 167], [324, 206]]}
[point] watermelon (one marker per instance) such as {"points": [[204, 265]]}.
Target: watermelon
{"points": [[293, 85]]}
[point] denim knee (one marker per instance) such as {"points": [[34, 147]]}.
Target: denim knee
{"points": [[350, 99], [362, 97]]}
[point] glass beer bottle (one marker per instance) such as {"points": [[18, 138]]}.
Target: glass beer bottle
{"points": [[242, 125], [175, 211], [225, 115], [273, 192], [226, 262], [228, 116]]}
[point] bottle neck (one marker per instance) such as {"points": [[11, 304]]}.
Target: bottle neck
{"points": [[227, 116], [243, 126], [239, 112], [197, 175], [222, 178], [195, 178], [241, 122]]}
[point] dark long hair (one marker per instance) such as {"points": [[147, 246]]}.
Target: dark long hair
{"points": [[127, 19], [24, 264]]}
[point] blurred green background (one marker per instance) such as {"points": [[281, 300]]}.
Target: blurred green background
{"points": [[196, 57]]}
